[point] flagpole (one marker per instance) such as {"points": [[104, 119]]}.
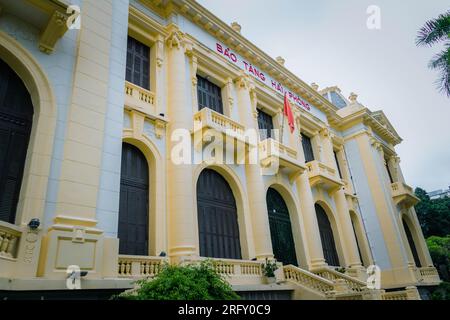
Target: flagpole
{"points": [[282, 128]]}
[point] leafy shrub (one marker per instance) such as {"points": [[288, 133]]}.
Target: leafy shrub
{"points": [[190, 282], [269, 268], [440, 254], [442, 292]]}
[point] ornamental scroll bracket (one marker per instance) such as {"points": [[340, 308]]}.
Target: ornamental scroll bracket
{"points": [[55, 29]]}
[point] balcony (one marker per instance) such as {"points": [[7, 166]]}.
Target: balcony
{"points": [[139, 266], [403, 194], [140, 99], [273, 153], [428, 276], [323, 176], [207, 119]]}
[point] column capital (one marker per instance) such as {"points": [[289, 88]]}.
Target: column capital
{"points": [[245, 82], [178, 40], [325, 132]]}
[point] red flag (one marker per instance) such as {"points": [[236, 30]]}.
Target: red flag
{"points": [[288, 113]]}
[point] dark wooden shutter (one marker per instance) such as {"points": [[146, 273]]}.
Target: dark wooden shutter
{"points": [[337, 164], [217, 217], [138, 63], [327, 237], [412, 245], [209, 95], [133, 207], [307, 148], [280, 228], [357, 241], [16, 114], [389, 173], [265, 124]]}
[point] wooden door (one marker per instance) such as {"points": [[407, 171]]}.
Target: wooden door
{"points": [[16, 116], [280, 228], [133, 208], [411, 243], [209, 95], [265, 124], [217, 217], [327, 237]]}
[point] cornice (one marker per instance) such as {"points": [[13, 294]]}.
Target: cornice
{"points": [[237, 42]]}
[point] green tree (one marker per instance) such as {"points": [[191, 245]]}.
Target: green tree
{"points": [[440, 253], [436, 31], [433, 215], [190, 282]]}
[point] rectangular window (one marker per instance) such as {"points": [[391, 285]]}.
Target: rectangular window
{"points": [[209, 95], [389, 173], [307, 148], [337, 164], [265, 124], [138, 63]]}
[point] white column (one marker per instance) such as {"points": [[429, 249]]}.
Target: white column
{"points": [[180, 198]]}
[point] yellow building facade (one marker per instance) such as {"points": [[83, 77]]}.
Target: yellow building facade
{"points": [[119, 168]]}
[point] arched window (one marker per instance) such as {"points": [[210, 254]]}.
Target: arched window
{"points": [[280, 228], [411, 243], [134, 206], [327, 237], [16, 117], [217, 217]]}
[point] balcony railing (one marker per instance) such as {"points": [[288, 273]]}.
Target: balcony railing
{"points": [[323, 175], [139, 266], [428, 276], [403, 194], [355, 285], [9, 241], [395, 295], [231, 267], [209, 119], [273, 152], [139, 99]]}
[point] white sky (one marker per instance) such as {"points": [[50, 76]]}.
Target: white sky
{"points": [[327, 42]]}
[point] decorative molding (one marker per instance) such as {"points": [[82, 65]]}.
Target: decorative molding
{"points": [[159, 47], [160, 127], [176, 38], [55, 29]]}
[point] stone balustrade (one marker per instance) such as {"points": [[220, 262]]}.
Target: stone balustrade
{"points": [[428, 275], [139, 266], [403, 194], [210, 119], [395, 295], [309, 280], [323, 175], [273, 152], [139, 99], [232, 267], [353, 284], [9, 241]]}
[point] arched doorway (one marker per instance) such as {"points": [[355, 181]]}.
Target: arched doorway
{"points": [[280, 228], [133, 208], [326, 236], [16, 117], [411, 243], [217, 217]]}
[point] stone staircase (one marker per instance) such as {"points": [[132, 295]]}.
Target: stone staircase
{"points": [[329, 284]]}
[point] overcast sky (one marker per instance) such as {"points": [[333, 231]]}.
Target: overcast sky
{"points": [[328, 42]]}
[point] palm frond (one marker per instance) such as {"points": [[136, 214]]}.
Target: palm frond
{"points": [[434, 30], [441, 62]]}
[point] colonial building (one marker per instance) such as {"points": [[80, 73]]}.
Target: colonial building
{"points": [[94, 172]]}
